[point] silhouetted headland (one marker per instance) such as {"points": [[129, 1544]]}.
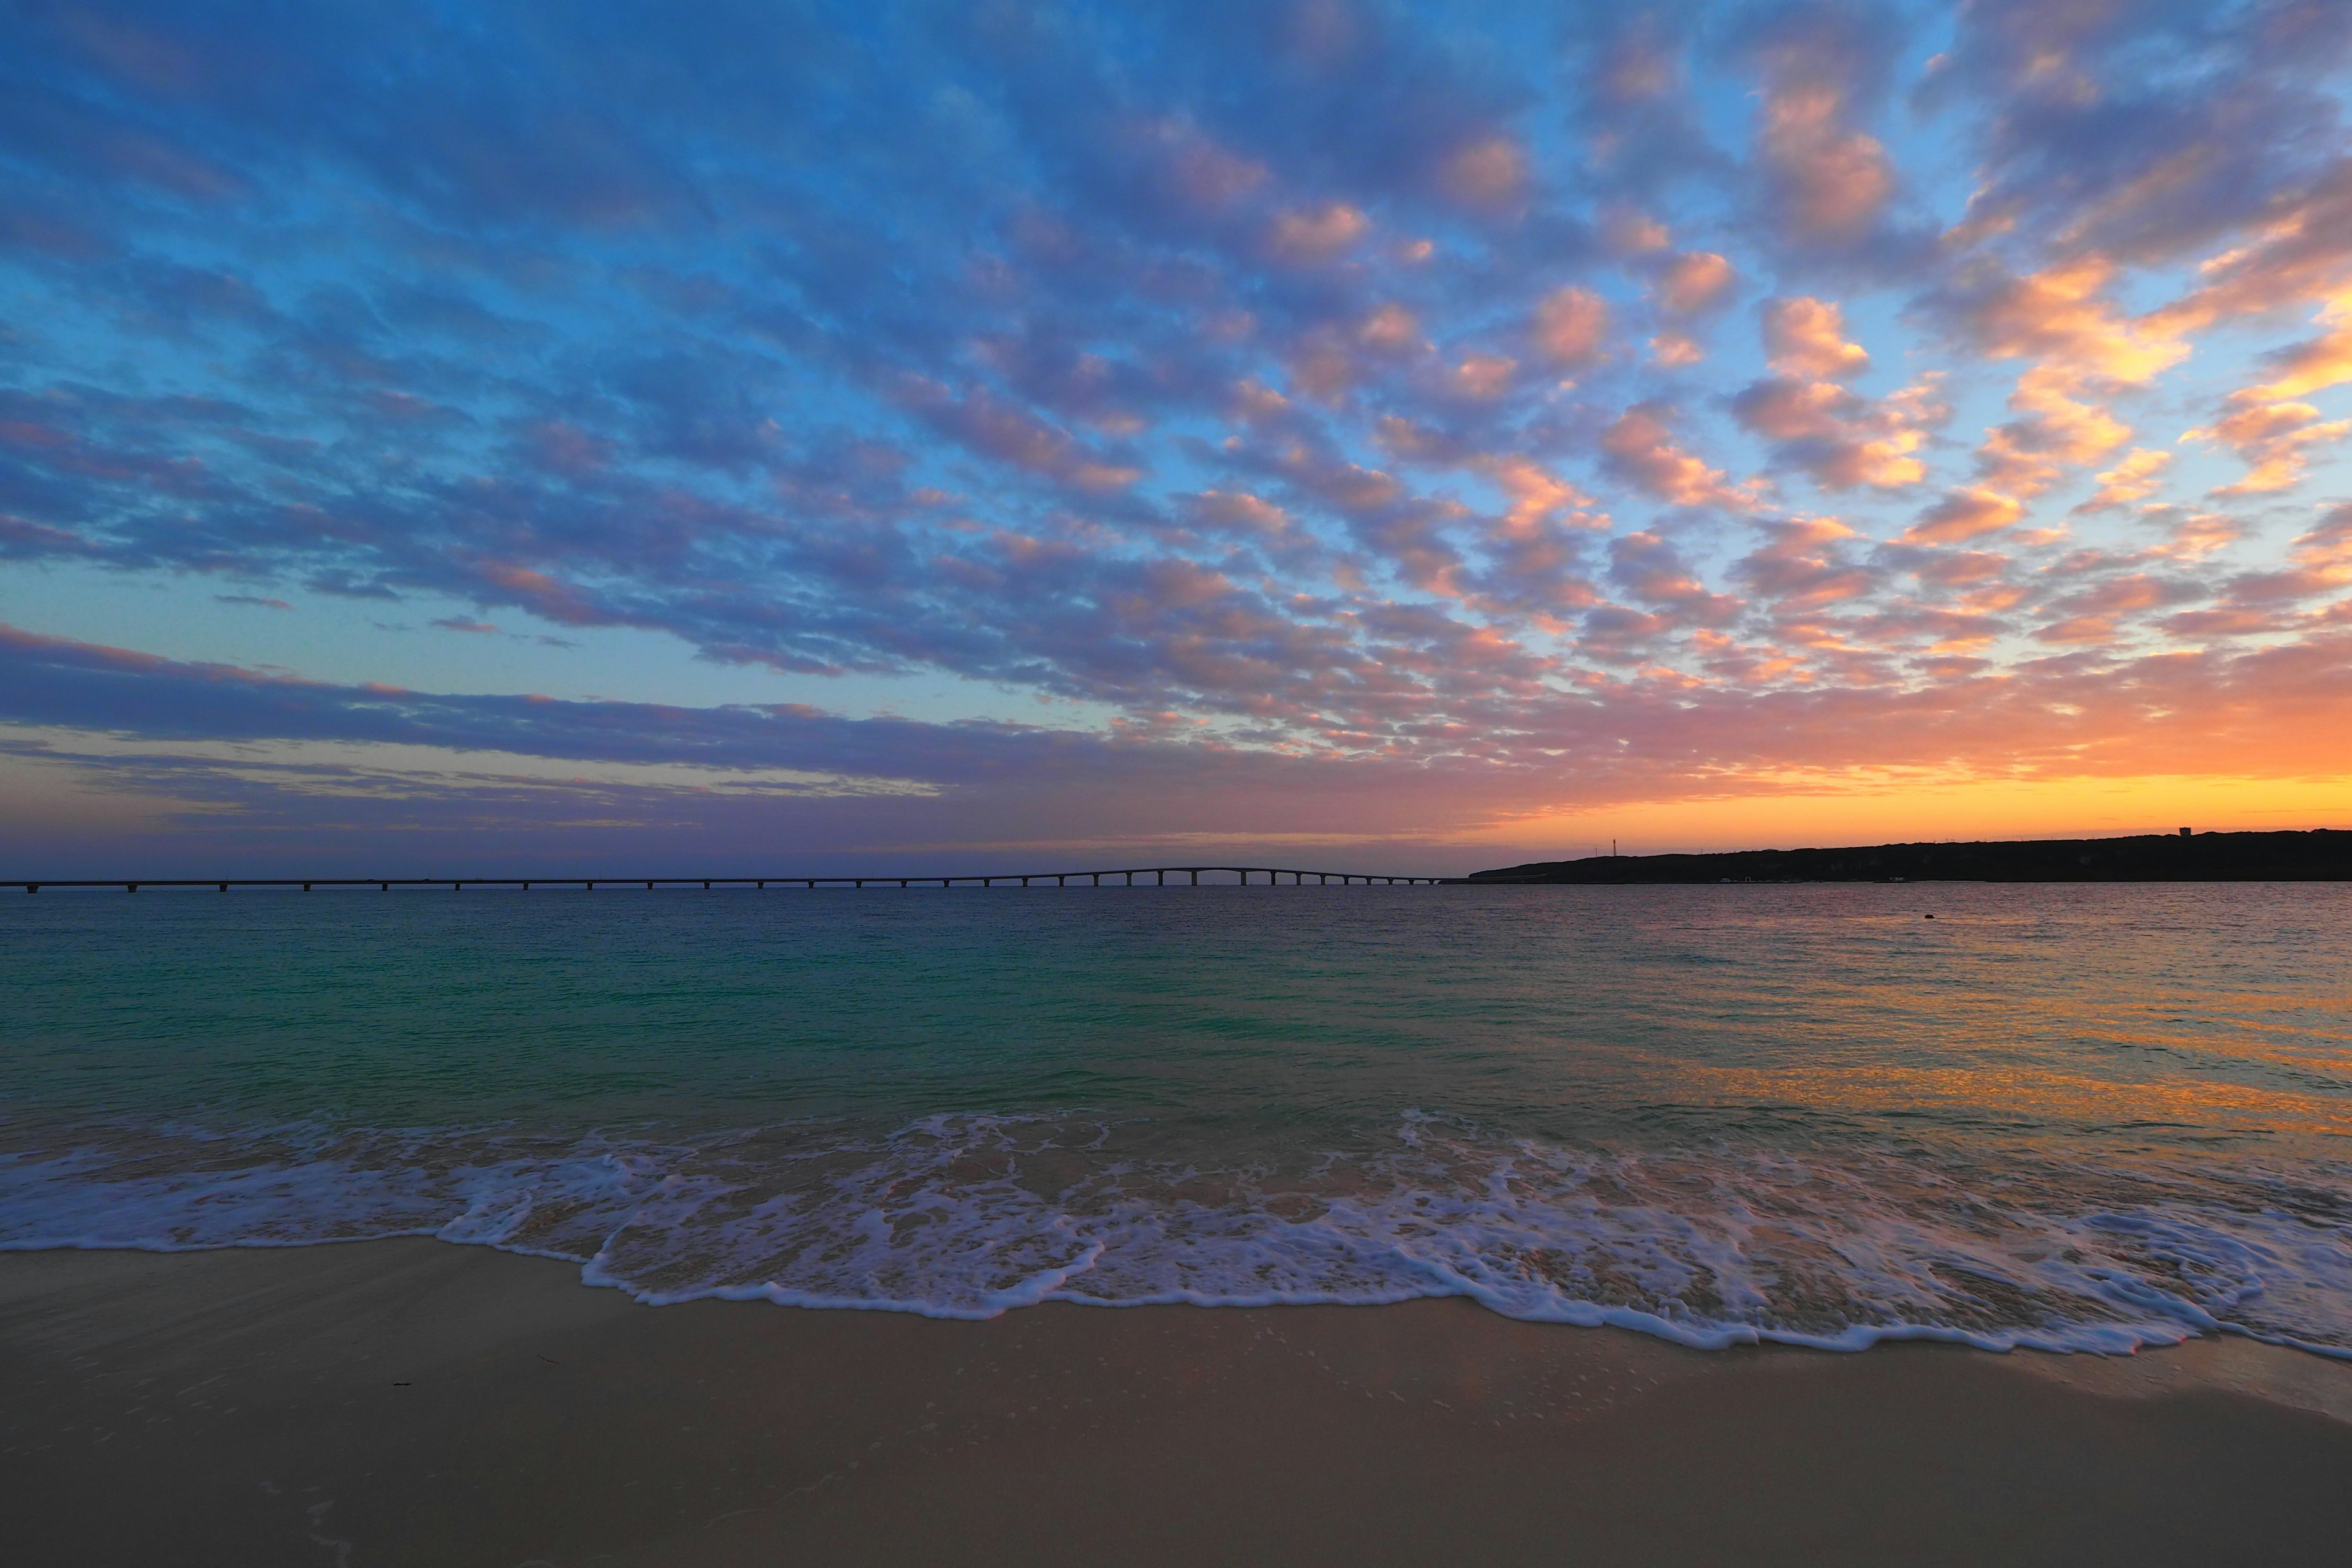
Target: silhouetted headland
{"points": [[2320, 855]]}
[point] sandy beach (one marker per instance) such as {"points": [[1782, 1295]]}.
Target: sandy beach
{"points": [[410, 1402]]}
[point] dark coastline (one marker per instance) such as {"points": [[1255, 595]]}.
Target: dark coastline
{"points": [[2320, 855]]}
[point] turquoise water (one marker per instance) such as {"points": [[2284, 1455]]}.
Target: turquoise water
{"points": [[2084, 1117]]}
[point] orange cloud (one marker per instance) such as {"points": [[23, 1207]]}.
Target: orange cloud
{"points": [[2312, 366], [2271, 438], [2083, 348], [2133, 480], [2269, 427], [1806, 337], [1831, 432], [2191, 535], [1538, 495], [1964, 514], [2061, 317]]}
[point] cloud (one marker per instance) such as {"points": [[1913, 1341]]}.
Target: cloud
{"points": [[1571, 325], [1963, 515], [1817, 424], [2191, 535], [1828, 183], [2268, 425], [1245, 373], [1802, 565], [2142, 130], [995, 428], [1806, 337], [2083, 352], [1489, 174], [1672, 351], [1834, 180], [1314, 237], [2273, 438], [1640, 450], [2134, 480], [1694, 282]]}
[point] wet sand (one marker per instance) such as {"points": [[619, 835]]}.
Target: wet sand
{"points": [[409, 1401]]}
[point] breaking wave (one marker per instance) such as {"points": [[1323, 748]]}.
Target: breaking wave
{"points": [[968, 1216]]}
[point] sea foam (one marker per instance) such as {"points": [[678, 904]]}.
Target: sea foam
{"points": [[968, 1216]]}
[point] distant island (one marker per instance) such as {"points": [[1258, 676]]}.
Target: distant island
{"points": [[2322, 855]]}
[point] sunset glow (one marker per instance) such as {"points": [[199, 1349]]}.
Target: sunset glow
{"points": [[1038, 434]]}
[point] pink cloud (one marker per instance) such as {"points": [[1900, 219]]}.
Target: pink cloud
{"points": [[1490, 173], [1314, 237], [1693, 282], [1570, 325], [1963, 515], [1640, 450], [1841, 438], [1805, 339]]}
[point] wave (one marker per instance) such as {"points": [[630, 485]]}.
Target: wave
{"points": [[969, 1216]]}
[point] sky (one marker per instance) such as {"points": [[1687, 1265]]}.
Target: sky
{"points": [[719, 438]]}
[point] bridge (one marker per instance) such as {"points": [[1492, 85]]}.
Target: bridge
{"points": [[1159, 877]]}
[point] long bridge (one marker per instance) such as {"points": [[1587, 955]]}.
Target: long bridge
{"points": [[1159, 876]]}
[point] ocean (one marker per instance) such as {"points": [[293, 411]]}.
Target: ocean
{"points": [[2081, 1117]]}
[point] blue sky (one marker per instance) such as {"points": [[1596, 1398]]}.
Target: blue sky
{"points": [[851, 434]]}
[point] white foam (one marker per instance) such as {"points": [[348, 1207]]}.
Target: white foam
{"points": [[970, 1216]]}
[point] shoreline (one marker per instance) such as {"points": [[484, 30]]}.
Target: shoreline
{"points": [[415, 1401]]}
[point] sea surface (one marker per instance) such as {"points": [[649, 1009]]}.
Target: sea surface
{"points": [[2077, 1117]]}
